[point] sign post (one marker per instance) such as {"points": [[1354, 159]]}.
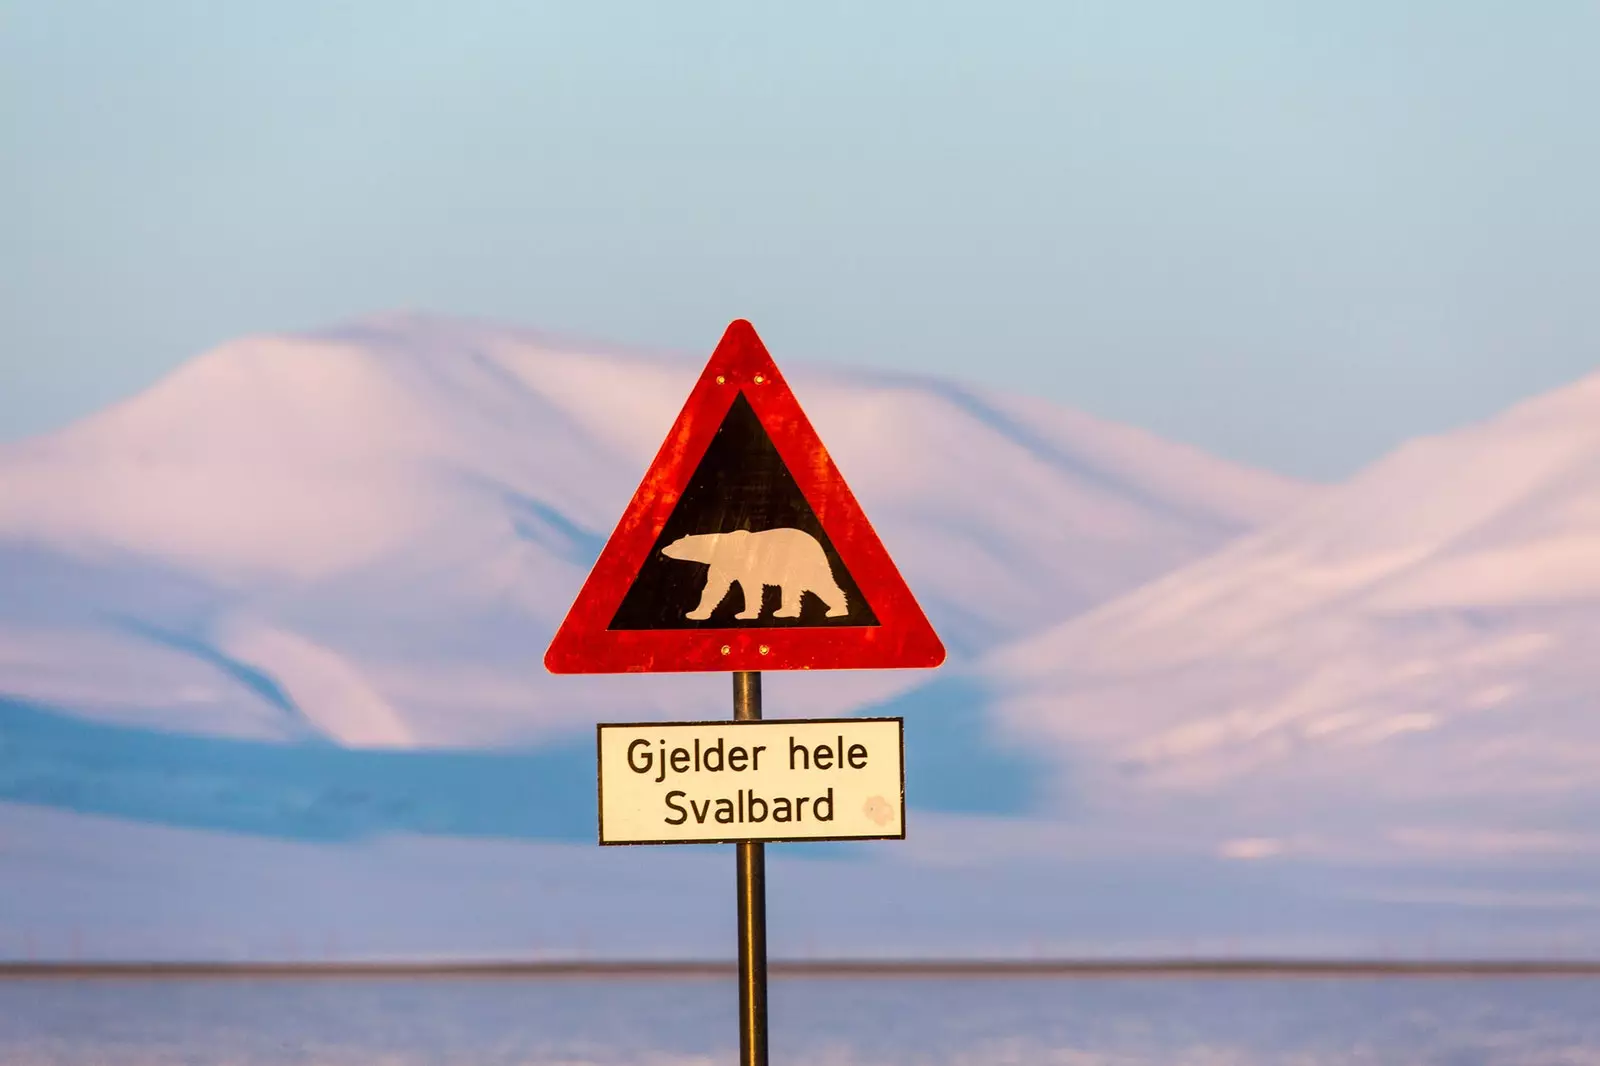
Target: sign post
{"points": [[750, 887], [744, 550]]}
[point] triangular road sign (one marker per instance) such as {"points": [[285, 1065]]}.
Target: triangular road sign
{"points": [[743, 549]]}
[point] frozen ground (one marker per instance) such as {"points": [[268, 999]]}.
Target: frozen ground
{"points": [[86, 888], [1135, 1022]]}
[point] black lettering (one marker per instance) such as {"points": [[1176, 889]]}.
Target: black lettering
{"points": [[755, 799], [680, 760], [700, 811], [755, 756], [634, 766], [839, 762], [683, 815], [662, 759], [697, 755], [824, 757], [782, 811], [858, 750], [739, 795], [800, 808], [725, 811], [816, 807], [738, 758], [804, 754], [721, 759]]}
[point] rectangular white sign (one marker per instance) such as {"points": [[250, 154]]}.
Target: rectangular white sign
{"points": [[779, 779]]}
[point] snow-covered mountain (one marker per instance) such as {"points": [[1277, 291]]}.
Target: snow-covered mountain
{"points": [[368, 534], [1408, 666], [287, 609]]}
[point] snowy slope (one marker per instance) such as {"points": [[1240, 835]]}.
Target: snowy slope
{"points": [[368, 534], [1408, 666], [1190, 707]]}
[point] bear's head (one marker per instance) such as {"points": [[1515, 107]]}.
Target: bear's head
{"points": [[703, 547], [695, 548]]}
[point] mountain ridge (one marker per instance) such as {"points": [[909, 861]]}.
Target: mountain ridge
{"points": [[264, 650], [333, 509], [1408, 653]]}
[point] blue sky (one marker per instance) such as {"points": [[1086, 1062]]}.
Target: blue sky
{"points": [[1292, 233]]}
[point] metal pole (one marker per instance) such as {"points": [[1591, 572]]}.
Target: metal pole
{"points": [[751, 861]]}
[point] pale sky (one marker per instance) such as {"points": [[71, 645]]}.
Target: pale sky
{"points": [[1291, 233]]}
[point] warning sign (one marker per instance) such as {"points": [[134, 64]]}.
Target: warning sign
{"points": [[720, 782], [743, 548]]}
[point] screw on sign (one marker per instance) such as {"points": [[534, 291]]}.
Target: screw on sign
{"points": [[744, 550]]}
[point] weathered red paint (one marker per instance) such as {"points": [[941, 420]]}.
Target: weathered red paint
{"points": [[903, 637]]}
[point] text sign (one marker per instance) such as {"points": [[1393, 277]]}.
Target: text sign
{"points": [[720, 782]]}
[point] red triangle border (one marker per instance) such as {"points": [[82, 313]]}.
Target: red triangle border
{"points": [[903, 636]]}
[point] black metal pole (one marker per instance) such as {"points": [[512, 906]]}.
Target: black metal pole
{"points": [[751, 860]]}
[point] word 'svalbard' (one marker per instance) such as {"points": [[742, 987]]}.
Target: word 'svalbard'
{"points": [[710, 782]]}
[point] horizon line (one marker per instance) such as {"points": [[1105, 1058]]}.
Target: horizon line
{"points": [[845, 969]]}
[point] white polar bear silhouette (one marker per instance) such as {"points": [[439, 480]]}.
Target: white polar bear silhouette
{"points": [[789, 558]]}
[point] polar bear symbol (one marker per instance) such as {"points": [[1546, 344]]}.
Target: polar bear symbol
{"points": [[789, 558]]}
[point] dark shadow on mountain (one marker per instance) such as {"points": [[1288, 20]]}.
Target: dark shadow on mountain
{"points": [[954, 762], [539, 523], [43, 587], [256, 681], [1062, 458], [302, 791]]}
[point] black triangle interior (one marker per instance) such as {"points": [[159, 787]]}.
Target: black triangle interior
{"points": [[740, 484]]}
